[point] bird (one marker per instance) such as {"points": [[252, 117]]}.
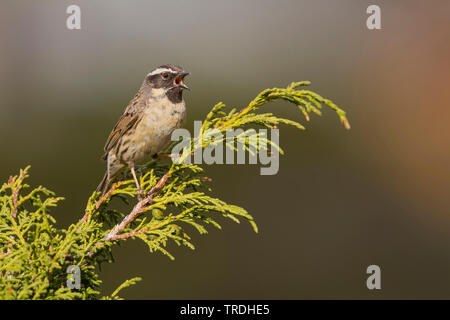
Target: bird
{"points": [[146, 125]]}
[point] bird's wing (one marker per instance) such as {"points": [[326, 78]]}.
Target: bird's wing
{"points": [[125, 123]]}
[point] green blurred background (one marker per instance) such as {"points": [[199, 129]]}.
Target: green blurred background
{"points": [[342, 200]]}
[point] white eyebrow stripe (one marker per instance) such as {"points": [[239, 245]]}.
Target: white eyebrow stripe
{"points": [[160, 70]]}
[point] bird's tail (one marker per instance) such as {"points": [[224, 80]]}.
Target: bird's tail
{"points": [[103, 186]]}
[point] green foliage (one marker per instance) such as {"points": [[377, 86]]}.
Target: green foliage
{"points": [[34, 255]]}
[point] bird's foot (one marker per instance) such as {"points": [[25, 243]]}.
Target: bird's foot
{"points": [[141, 194], [159, 156]]}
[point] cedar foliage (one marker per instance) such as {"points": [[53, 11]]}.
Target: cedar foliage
{"points": [[35, 256]]}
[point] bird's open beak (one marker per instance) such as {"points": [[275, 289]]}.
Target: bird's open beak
{"points": [[179, 80]]}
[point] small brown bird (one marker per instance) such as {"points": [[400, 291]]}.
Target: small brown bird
{"points": [[144, 129]]}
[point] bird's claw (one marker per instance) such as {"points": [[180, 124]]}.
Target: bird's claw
{"points": [[141, 194]]}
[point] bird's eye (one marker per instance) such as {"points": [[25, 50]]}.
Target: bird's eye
{"points": [[165, 75]]}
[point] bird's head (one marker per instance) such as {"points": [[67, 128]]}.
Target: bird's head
{"points": [[167, 80]]}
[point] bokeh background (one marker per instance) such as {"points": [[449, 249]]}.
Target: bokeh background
{"points": [[342, 200]]}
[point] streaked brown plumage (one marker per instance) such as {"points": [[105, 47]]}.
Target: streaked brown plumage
{"points": [[144, 129]]}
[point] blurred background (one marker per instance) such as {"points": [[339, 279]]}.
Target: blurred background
{"points": [[342, 200]]}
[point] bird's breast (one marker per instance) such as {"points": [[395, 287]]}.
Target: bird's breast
{"points": [[154, 130]]}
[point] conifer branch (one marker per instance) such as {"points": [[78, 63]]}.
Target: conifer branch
{"points": [[138, 208], [35, 256], [15, 183]]}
